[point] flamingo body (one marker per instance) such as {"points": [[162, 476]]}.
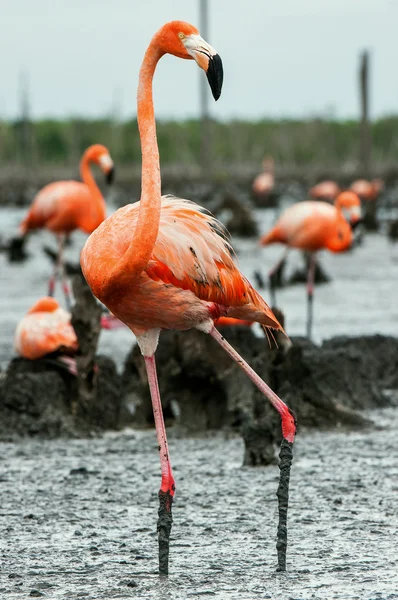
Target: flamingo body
{"points": [[191, 276], [311, 226], [46, 328], [263, 184], [62, 207], [367, 190], [325, 190]]}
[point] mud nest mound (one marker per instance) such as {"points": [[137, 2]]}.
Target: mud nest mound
{"points": [[325, 385], [39, 398]]}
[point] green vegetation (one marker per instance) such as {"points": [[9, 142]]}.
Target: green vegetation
{"points": [[290, 142]]}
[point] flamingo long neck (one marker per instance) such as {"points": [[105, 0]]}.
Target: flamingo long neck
{"points": [[97, 211], [136, 257]]}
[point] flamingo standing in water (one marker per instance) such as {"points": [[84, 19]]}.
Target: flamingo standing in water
{"points": [[369, 192], [46, 328], [64, 206], [166, 263], [313, 226]]}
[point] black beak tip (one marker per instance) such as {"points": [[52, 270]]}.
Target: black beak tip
{"points": [[355, 224], [215, 75], [110, 176]]}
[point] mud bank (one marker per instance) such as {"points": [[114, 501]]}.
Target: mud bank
{"points": [[203, 390], [325, 385]]}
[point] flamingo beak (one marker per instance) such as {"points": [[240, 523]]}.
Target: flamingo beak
{"points": [[110, 176], [215, 75], [208, 60], [107, 167]]}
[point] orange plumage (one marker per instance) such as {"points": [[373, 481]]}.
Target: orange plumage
{"points": [[190, 277], [46, 328], [325, 190], [314, 225], [367, 190], [64, 206]]}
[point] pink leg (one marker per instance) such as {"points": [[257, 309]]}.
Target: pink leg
{"points": [[167, 488], [288, 419], [62, 273], [285, 455], [51, 284]]}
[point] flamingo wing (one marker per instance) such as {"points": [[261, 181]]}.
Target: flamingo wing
{"points": [[193, 252], [56, 206]]}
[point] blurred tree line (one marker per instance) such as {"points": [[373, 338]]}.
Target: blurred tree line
{"points": [[290, 142]]}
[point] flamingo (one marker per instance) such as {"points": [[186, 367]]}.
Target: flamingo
{"points": [[264, 183], [325, 190], [46, 328], [64, 206], [367, 190], [166, 263], [312, 226]]}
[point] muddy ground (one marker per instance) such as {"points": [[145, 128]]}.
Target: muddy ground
{"points": [[78, 518]]}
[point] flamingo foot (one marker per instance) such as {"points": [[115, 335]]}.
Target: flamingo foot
{"points": [[165, 522], [285, 462]]}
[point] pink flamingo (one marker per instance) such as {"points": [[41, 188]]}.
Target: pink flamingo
{"points": [[313, 226], [166, 263], [325, 190], [64, 206], [46, 328]]}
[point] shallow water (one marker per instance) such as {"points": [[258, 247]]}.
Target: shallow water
{"points": [[78, 518], [360, 299]]}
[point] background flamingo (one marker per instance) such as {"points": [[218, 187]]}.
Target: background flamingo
{"points": [[264, 183], [64, 206], [45, 329], [166, 263], [325, 190], [367, 190], [313, 226]]}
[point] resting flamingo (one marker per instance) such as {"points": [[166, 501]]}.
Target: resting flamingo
{"points": [[64, 206], [325, 190], [313, 226], [46, 328], [166, 263]]}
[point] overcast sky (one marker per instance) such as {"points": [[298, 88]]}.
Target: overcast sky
{"points": [[282, 58]]}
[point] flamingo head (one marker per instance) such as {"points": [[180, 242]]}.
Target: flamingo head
{"points": [[183, 40], [99, 155], [349, 204], [45, 304]]}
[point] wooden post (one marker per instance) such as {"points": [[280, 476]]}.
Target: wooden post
{"points": [[205, 150], [366, 143], [25, 126], [370, 217]]}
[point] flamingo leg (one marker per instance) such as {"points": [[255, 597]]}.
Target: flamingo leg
{"points": [[285, 455], [167, 488], [310, 292], [62, 271], [274, 274], [54, 276]]}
